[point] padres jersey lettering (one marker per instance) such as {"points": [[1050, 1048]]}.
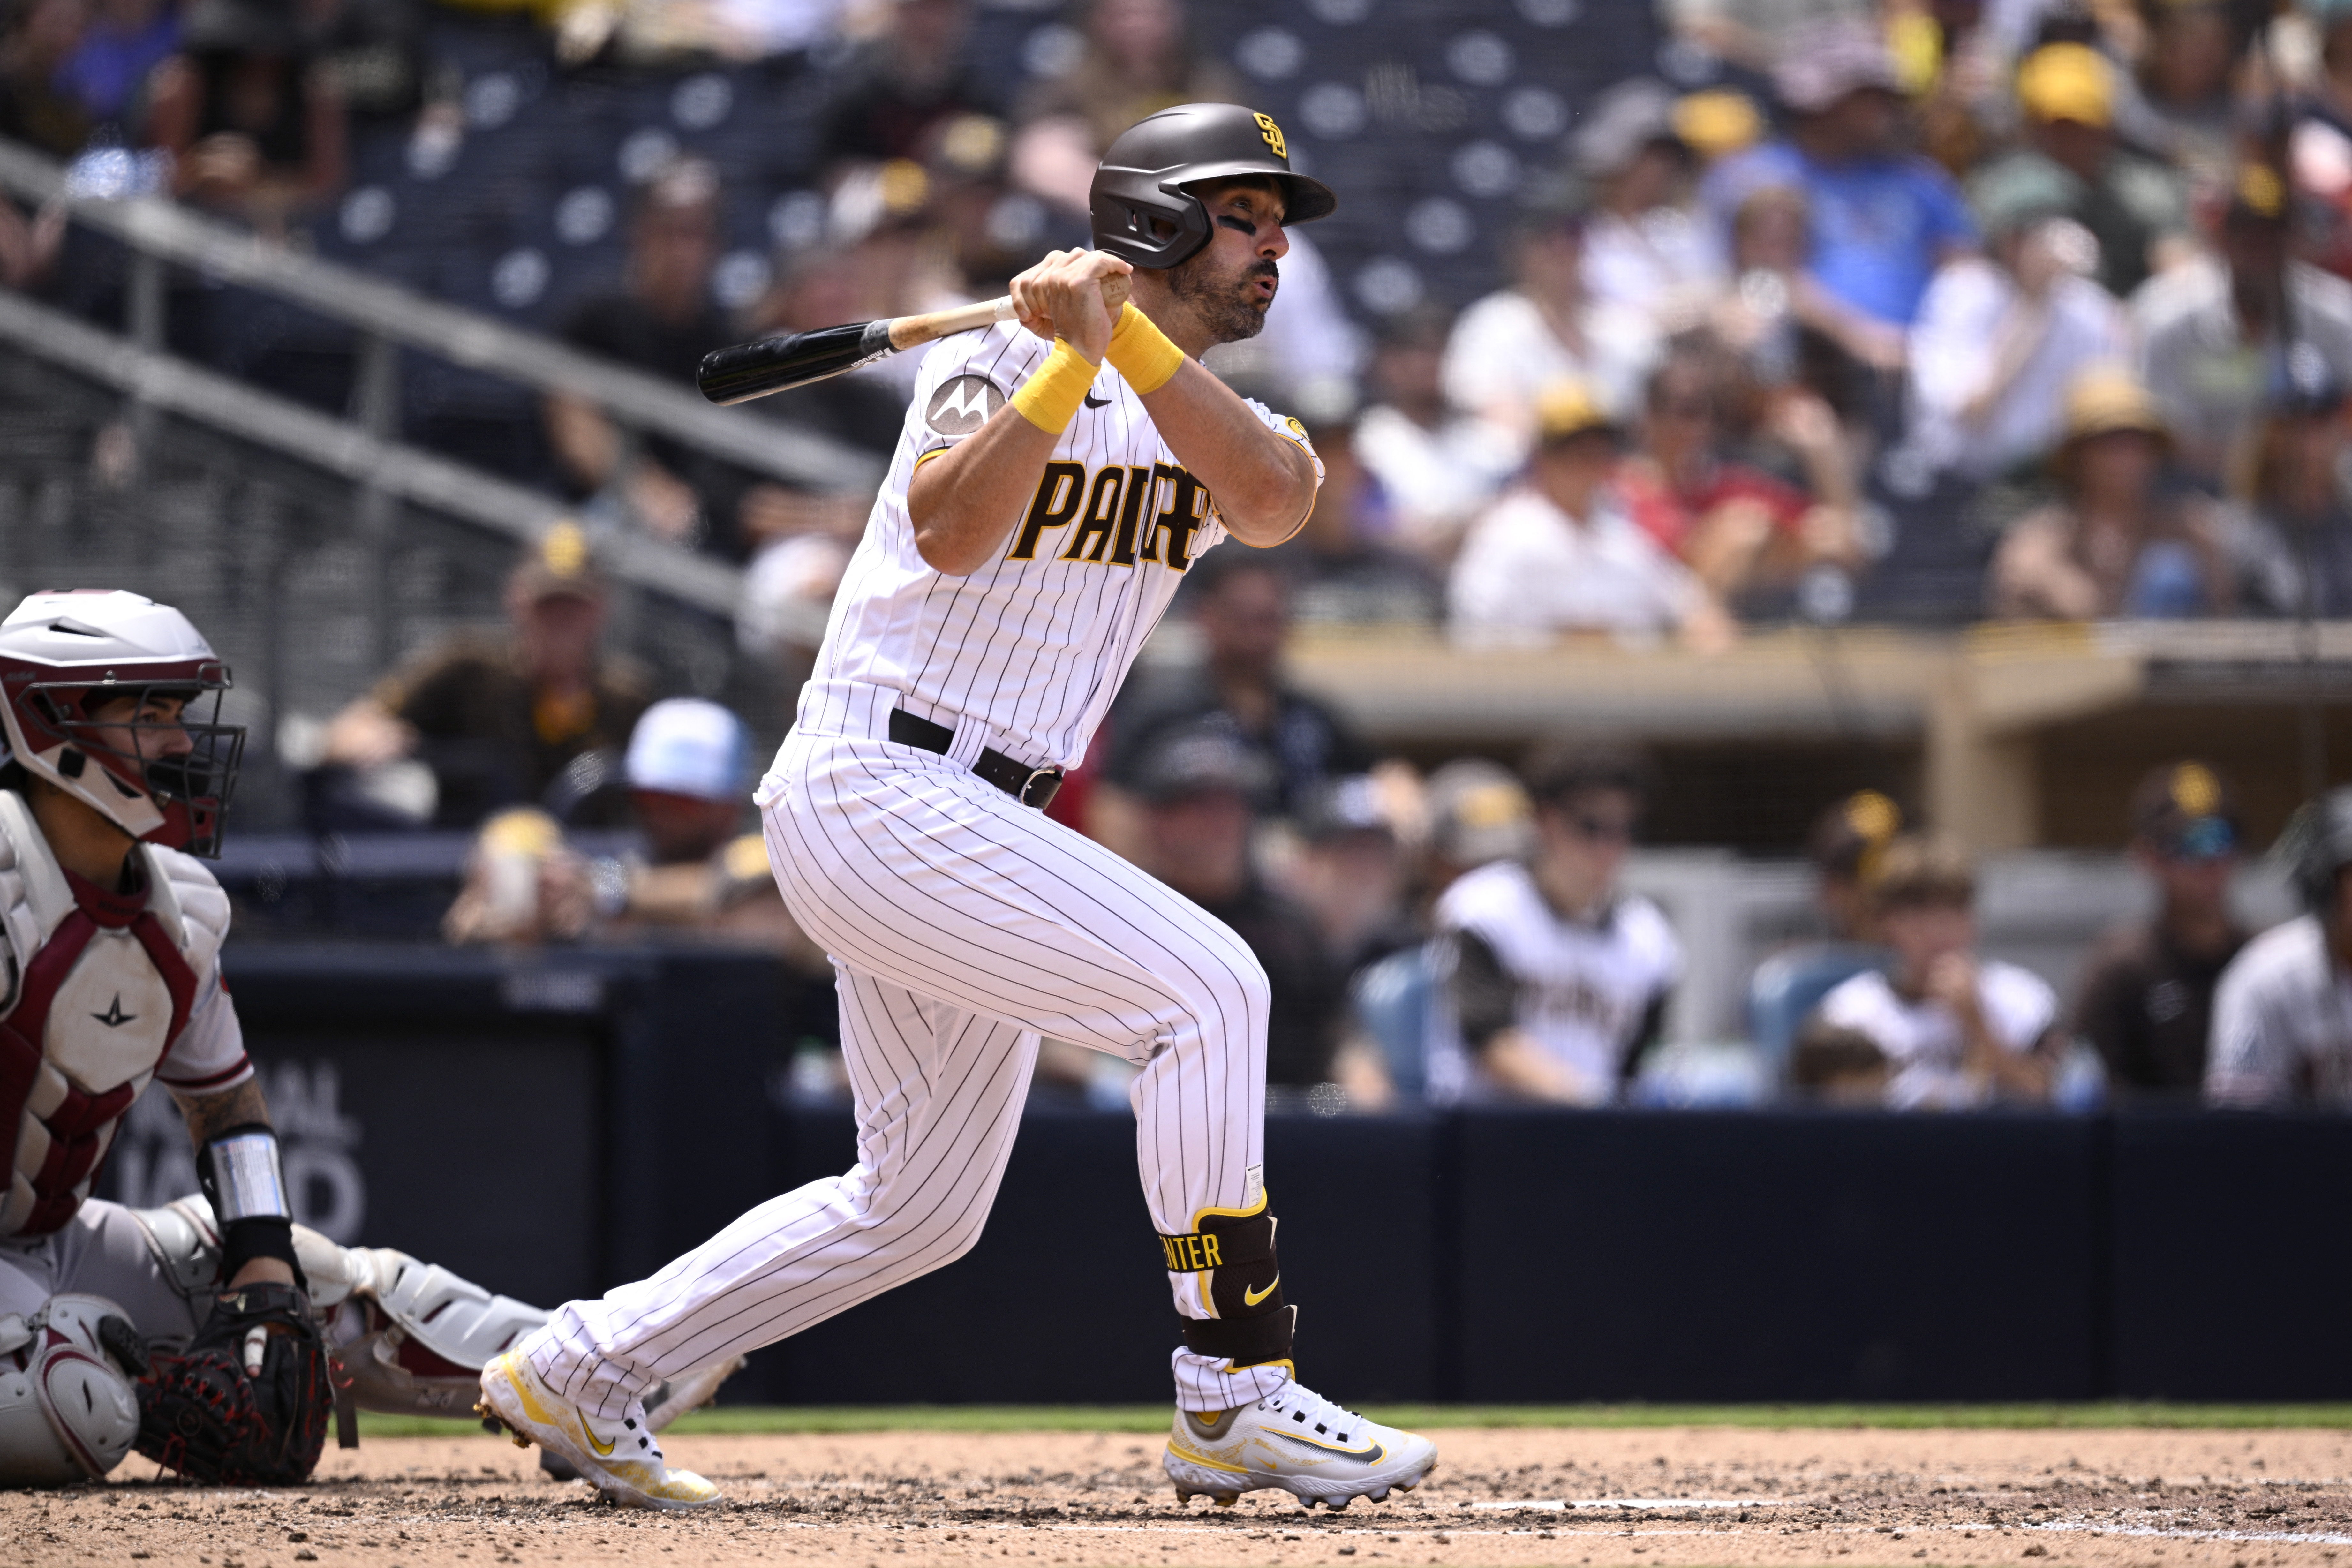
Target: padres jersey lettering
{"points": [[1034, 644], [1108, 507]]}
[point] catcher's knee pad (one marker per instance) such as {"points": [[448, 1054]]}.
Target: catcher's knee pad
{"points": [[413, 1336], [186, 1242], [69, 1409], [1230, 1257]]}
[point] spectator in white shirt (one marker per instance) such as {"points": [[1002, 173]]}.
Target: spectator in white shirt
{"points": [[2001, 337], [1510, 346], [1435, 467], [2282, 1010], [1562, 555], [1643, 249], [2217, 333], [1957, 1032], [1557, 979]]}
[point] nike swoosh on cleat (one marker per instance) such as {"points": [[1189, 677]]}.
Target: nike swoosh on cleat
{"points": [[603, 1450], [1372, 1454], [1091, 401], [1251, 1298]]}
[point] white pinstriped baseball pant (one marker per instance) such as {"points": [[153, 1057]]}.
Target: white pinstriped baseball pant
{"points": [[963, 926]]}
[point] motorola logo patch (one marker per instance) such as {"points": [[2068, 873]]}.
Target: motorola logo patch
{"points": [[963, 405]]}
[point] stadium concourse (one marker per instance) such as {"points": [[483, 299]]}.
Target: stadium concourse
{"points": [[2118, 1497]]}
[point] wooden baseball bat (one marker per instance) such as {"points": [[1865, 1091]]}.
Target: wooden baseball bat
{"points": [[746, 371]]}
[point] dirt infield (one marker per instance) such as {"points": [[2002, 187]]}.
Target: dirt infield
{"points": [[2084, 1498]]}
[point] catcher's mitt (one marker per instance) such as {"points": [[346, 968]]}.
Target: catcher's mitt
{"points": [[249, 1404]]}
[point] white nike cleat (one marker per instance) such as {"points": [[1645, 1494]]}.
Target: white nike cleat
{"points": [[619, 1458], [664, 1402], [1295, 1441]]}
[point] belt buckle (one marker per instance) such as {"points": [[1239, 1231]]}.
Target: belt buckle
{"points": [[1022, 794]]}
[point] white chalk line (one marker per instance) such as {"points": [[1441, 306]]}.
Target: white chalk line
{"points": [[1421, 1528], [1565, 1505]]}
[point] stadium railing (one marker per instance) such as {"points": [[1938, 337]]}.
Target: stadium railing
{"points": [[364, 448], [318, 545]]}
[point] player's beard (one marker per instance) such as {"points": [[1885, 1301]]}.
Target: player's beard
{"points": [[1227, 302]]}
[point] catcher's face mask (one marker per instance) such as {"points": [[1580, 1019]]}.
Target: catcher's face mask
{"points": [[103, 696], [163, 743]]}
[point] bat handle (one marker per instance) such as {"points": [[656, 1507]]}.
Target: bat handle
{"points": [[911, 331]]}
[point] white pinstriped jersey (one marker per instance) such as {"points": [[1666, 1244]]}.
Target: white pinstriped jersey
{"points": [[1034, 644]]}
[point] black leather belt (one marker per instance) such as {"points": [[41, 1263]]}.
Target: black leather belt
{"points": [[1030, 786]]}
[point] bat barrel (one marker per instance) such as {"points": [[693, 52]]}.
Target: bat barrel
{"points": [[745, 371]]}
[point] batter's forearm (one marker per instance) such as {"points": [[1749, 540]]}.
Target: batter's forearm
{"points": [[964, 503], [1265, 485]]}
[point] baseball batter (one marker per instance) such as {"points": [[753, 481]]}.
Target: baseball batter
{"points": [[1056, 479]]}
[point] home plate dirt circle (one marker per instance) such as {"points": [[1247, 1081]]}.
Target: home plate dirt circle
{"points": [[2084, 1498]]}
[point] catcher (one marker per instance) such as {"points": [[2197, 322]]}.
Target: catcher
{"points": [[214, 1334]]}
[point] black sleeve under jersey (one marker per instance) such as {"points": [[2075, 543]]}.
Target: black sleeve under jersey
{"points": [[1486, 998], [1648, 1033], [1347, 751]]}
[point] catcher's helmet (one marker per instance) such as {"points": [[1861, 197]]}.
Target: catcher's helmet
{"points": [[62, 656], [2317, 844], [1142, 212]]}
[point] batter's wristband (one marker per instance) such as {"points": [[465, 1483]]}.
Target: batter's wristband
{"points": [[1050, 398], [1142, 352]]}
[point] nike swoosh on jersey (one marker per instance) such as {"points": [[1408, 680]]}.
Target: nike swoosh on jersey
{"points": [[1091, 401], [1251, 1298]]}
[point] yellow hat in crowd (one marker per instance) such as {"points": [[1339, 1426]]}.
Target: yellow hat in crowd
{"points": [[2104, 399], [2068, 81], [562, 563], [1717, 121], [1568, 408], [2259, 191]]}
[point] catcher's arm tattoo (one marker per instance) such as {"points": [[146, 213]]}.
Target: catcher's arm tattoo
{"points": [[210, 1114]]}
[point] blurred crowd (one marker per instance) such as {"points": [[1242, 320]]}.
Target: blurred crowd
{"points": [[2047, 293], [1466, 935], [2052, 291]]}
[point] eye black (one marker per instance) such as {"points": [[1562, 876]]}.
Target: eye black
{"points": [[1242, 224]]}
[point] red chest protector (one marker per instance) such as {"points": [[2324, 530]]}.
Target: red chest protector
{"points": [[59, 1103]]}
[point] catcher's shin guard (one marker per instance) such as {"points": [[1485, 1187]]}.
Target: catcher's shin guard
{"points": [[186, 1242], [69, 1410], [1226, 1268], [413, 1337]]}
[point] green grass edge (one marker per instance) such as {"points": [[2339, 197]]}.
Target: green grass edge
{"points": [[2119, 1413]]}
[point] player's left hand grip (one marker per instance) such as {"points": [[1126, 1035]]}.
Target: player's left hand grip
{"points": [[746, 371]]}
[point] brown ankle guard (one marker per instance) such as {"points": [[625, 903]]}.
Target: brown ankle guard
{"points": [[1241, 1280]]}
